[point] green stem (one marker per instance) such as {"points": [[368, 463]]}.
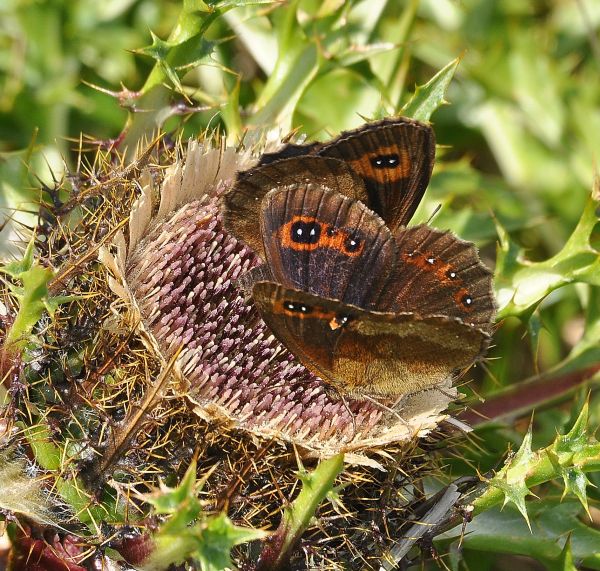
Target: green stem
{"points": [[542, 469], [297, 517]]}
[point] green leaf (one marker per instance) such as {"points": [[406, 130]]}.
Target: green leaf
{"points": [[217, 539], [32, 295], [569, 457], [53, 458], [495, 532], [230, 113], [185, 48], [296, 518], [568, 450], [577, 438], [297, 64], [190, 533], [427, 98], [512, 478], [522, 284], [565, 561], [169, 500]]}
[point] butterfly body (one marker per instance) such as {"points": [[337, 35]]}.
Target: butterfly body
{"points": [[371, 306]]}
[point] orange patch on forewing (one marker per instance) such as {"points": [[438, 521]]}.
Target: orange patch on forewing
{"points": [[364, 165], [330, 237], [429, 263]]}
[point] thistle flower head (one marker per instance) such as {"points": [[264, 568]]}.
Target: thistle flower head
{"points": [[178, 273]]}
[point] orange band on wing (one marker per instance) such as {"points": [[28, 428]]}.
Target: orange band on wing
{"points": [[314, 312], [445, 274], [329, 237]]}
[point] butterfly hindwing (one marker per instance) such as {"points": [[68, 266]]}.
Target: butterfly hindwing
{"points": [[362, 352], [439, 274], [390, 354], [324, 243], [301, 322]]}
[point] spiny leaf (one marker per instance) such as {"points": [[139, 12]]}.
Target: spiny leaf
{"points": [[522, 285], [427, 98], [191, 534], [576, 482], [169, 500], [512, 478], [564, 455], [315, 486], [565, 561], [569, 457], [577, 437], [218, 538]]}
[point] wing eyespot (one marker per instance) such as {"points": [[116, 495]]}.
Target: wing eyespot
{"points": [[389, 161], [295, 307], [353, 243], [302, 232]]}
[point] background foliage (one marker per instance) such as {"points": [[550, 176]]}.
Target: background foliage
{"points": [[515, 168]]}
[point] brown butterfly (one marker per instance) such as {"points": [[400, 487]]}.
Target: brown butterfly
{"points": [[372, 307], [369, 311], [386, 164]]}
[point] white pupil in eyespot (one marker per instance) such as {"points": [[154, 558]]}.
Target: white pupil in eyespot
{"points": [[296, 307], [387, 162]]}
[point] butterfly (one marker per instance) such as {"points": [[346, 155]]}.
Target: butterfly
{"points": [[371, 306]]}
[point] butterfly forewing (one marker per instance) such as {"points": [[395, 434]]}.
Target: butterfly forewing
{"points": [[242, 204], [439, 274], [326, 244], [394, 157], [385, 164]]}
